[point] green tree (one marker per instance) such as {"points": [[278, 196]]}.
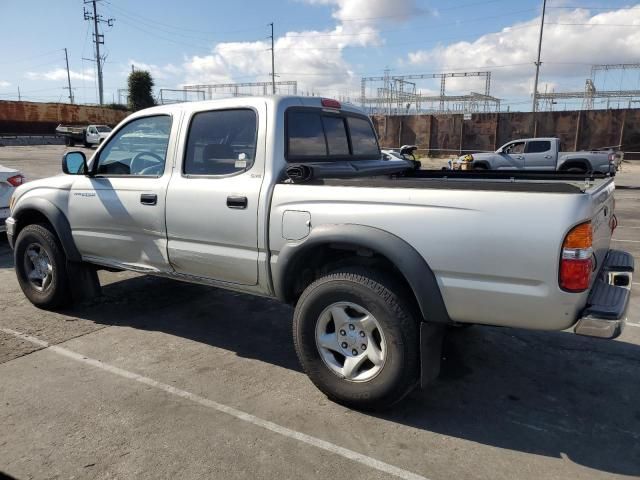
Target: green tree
{"points": [[140, 87]]}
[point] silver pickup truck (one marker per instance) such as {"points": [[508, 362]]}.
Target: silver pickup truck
{"points": [[543, 154], [288, 197]]}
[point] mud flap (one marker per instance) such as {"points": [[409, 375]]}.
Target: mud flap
{"points": [[431, 338], [83, 281]]}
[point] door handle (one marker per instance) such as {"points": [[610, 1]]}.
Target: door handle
{"points": [[237, 202], [148, 199], [548, 156]]}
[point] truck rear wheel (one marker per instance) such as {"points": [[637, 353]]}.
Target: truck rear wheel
{"points": [[357, 339], [41, 267]]}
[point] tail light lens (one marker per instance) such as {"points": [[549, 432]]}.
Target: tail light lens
{"points": [[16, 180], [330, 103], [576, 263], [612, 158]]}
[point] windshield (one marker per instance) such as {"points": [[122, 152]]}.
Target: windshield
{"points": [[103, 128]]}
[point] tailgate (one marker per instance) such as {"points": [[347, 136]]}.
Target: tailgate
{"points": [[602, 213]]}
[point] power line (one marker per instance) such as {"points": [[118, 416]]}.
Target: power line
{"points": [[145, 18]]}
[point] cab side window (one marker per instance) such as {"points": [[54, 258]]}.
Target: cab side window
{"points": [[221, 142], [515, 148], [138, 148], [538, 146]]}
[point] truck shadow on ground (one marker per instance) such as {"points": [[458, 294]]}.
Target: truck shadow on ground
{"points": [[551, 394]]}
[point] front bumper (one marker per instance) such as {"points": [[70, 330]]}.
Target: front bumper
{"points": [[10, 226], [606, 312]]}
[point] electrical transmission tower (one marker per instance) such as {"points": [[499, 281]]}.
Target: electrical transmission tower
{"points": [[399, 95], [98, 39]]}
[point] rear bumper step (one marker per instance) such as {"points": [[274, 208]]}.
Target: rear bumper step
{"points": [[618, 268], [606, 312]]}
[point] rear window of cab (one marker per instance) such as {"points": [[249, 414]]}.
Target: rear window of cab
{"points": [[313, 134]]}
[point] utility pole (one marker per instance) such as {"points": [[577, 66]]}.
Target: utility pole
{"points": [[98, 39], [19, 97], [273, 63], [66, 58], [535, 83]]}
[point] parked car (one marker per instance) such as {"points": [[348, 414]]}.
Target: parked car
{"points": [[9, 180], [542, 154], [289, 197], [87, 136]]}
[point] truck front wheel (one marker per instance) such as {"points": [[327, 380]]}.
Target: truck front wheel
{"points": [[357, 339], [41, 267]]}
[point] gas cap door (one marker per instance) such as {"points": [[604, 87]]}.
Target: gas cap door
{"points": [[296, 224]]}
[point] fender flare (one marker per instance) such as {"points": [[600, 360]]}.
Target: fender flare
{"points": [[582, 161], [407, 260], [56, 218]]}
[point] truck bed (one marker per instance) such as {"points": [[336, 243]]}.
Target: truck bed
{"points": [[491, 238]]}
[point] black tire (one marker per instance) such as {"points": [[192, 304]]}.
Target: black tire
{"points": [[479, 166], [576, 170], [87, 145], [70, 142], [57, 293], [399, 325]]}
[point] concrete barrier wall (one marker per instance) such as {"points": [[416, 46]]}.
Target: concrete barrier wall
{"points": [[32, 118], [452, 134]]}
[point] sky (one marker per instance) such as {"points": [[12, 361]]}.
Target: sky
{"points": [[327, 46]]}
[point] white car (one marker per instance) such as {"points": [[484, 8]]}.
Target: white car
{"points": [[9, 180]]}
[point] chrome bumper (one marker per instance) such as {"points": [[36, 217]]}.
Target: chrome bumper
{"points": [[606, 312]]}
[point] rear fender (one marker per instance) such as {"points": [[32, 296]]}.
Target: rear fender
{"points": [[406, 259]]}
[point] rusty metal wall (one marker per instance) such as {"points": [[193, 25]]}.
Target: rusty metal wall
{"points": [[42, 118], [451, 134]]}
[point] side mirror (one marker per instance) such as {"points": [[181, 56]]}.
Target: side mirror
{"points": [[74, 163]]}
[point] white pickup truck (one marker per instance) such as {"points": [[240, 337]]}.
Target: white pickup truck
{"points": [[289, 197], [543, 154], [87, 136]]}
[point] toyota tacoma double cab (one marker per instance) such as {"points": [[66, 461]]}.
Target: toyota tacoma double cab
{"points": [[289, 197], [543, 154]]}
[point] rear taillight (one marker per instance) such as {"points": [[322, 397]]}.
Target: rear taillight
{"points": [[576, 263], [612, 158], [16, 180]]}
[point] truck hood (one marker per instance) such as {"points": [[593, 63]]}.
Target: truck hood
{"points": [[104, 135]]}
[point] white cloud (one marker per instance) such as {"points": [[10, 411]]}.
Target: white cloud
{"points": [[4, 84], [567, 51], [313, 58], [61, 74]]}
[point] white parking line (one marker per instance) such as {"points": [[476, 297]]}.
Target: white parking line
{"points": [[633, 324], [239, 414], [630, 241]]}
